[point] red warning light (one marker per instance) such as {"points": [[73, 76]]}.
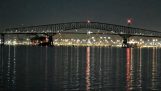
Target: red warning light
{"points": [[129, 21]]}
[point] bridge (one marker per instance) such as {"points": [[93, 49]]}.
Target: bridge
{"points": [[102, 28]]}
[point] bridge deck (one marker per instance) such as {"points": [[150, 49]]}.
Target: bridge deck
{"points": [[63, 27]]}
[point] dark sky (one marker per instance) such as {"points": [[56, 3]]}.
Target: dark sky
{"points": [[145, 13]]}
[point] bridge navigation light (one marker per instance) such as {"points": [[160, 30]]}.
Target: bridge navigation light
{"points": [[129, 21], [88, 21]]}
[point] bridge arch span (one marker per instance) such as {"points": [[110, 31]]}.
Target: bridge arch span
{"points": [[60, 27]]}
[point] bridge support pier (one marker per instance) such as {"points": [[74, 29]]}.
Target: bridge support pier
{"points": [[125, 44], [125, 40], [2, 39], [50, 40]]}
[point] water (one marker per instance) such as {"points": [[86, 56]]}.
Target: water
{"points": [[35, 68]]}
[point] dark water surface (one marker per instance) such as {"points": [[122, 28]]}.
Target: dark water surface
{"points": [[35, 68]]}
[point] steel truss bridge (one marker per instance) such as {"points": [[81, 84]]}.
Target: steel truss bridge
{"points": [[124, 31]]}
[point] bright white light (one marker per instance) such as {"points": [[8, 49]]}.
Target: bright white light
{"points": [[131, 42], [156, 39], [88, 21], [14, 42], [109, 37], [89, 32], [9, 42], [89, 42]]}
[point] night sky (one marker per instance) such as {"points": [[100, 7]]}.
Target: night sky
{"points": [[145, 13]]}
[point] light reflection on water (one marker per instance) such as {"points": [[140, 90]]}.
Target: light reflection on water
{"points": [[87, 77], [29, 68]]}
